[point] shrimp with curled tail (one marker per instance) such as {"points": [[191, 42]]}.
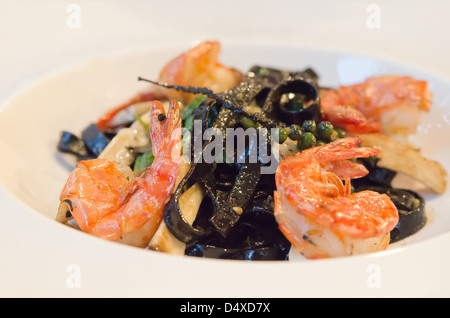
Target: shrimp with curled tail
{"points": [[105, 203], [317, 212], [388, 104], [198, 66]]}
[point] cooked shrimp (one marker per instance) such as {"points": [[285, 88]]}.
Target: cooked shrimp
{"points": [[388, 104], [105, 203], [198, 66], [317, 212]]}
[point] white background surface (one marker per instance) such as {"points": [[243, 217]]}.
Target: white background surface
{"points": [[35, 33], [35, 40]]}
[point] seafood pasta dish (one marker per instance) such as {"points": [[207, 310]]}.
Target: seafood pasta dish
{"points": [[216, 162]]}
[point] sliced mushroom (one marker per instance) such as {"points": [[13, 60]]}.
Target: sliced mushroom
{"points": [[122, 147], [407, 160]]}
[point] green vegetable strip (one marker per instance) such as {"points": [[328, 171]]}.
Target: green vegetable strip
{"points": [[189, 122], [143, 161], [192, 106]]}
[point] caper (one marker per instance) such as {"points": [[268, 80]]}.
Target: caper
{"points": [[295, 131], [309, 126], [307, 140], [325, 130]]}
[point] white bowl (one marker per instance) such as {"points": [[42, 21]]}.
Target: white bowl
{"points": [[33, 172]]}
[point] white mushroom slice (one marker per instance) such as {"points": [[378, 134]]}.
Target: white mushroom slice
{"points": [[184, 168], [121, 147], [287, 148], [406, 160]]}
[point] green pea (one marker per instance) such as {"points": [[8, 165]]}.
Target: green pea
{"points": [[247, 122], [325, 130], [341, 132], [307, 140], [282, 135], [309, 126], [320, 143], [295, 131]]}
